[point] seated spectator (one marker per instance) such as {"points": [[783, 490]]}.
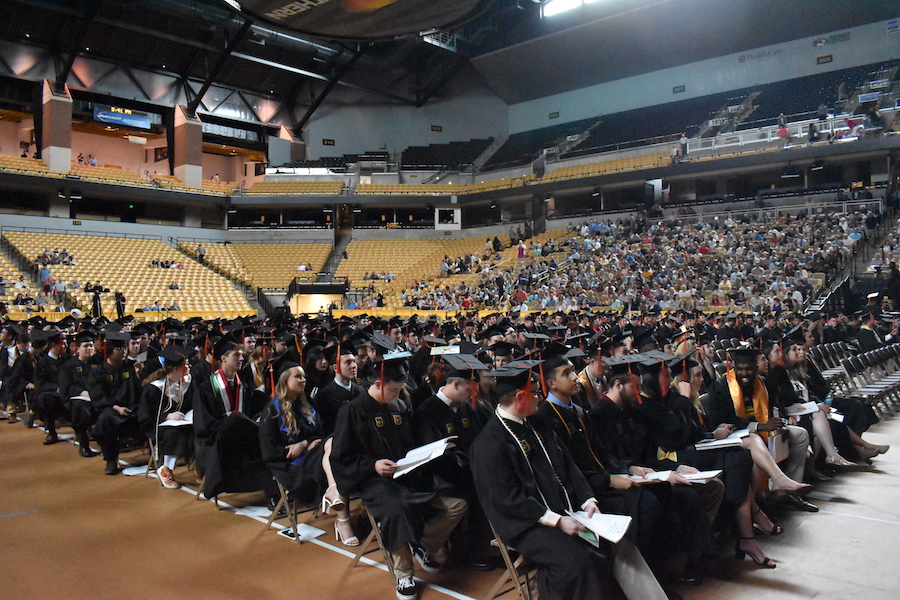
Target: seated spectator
{"points": [[175, 305], [174, 285]]}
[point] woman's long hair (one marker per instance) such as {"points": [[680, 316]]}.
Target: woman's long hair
{"points": [[287, 404], [159, 374]]}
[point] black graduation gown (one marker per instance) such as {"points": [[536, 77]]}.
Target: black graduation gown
{"points": [[73, 379], [20, 375], [329, 401], [625, 432], [303, 477], [368, 431], [48, 401], [513, 490], [153, 409], [867, 339], [683, 430], [111, 386], [259, 395], [227, 445]]}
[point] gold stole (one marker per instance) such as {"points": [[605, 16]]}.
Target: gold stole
{"points": [[760, 398]]}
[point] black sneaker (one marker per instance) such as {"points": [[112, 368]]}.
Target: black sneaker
{"points": [[427, 561], [407, 589]]}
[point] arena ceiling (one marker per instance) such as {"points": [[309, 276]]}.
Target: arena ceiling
{"points": [[380, 49]]}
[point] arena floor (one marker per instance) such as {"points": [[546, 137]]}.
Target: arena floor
{"points": [[68, 531]]}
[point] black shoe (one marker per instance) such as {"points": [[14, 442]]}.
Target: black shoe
{"points": [[485, 564], [51, 439], [407, 589], [112, 468], [427, 561], [282, 512], [86, 451], [797, 503]]}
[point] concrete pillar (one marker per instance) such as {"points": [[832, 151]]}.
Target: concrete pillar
{"points": [[279, 148], [56, 134], [193, 216], [59, 207], [188, 148]]}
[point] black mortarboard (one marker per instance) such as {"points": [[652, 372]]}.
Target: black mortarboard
{"points": [[117, 339], [383, 343], [393, 367], [84, 337], [554, 355], [502, 348], [510, 379], [223, 345], [683, 363], [794, 336], [743, 355], [462, 365], [173, 355], [333, 352], [283, 362]]}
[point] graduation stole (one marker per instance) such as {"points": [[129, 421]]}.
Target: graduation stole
{"points": [[760, 398], [232, 400], [875, 333], [293, 437]]}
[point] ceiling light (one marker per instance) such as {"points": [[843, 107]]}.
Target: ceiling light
{"points": [[817, 166]]}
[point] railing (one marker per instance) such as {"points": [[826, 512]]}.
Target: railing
{"points": [[137, 236], [797, 130], [264, 303]]}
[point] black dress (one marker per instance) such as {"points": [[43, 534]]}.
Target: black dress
{"points": [[303, 476], [159, 399]]}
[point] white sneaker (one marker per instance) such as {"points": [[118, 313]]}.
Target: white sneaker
{"points": [[166, 478], [407, 589]]}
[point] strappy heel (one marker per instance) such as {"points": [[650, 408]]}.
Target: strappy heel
{"points": [[349, 541], [776, 529], [327, 504], [740, 553]]}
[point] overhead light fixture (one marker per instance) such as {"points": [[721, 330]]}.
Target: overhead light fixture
{"points": [[232, 211], [817, 166], [790, 174], [493, 205]]}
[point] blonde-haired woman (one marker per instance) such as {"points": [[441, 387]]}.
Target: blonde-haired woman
{"points": [[290, 438]]}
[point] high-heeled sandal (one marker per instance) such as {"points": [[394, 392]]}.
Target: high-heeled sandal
{"points": [[776, 529], [327, 504], [839, 461], [740, 553], [784, 476], [350, 541]]}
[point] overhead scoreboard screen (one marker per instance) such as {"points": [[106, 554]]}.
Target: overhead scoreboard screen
{"points": [[360, 19], [115, 115]]}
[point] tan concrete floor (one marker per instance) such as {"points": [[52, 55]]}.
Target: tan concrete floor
{"points": [[69, 532]]}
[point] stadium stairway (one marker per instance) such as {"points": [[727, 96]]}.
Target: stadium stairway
{"points": [[247, 291]]}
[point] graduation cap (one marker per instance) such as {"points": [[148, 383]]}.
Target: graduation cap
{"points": [[67, 321], [282, 363], [554, 355], [83, 337], [463, 366], [117, 339], [793, 337], [173, 355], [394, 367], [383, 343], [683, 364], [512, 378], [743, 355], [334, 352], [223, 345], [502, 348]]}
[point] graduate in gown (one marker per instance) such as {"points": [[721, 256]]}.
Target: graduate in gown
{"points": [[615, 492], [225, 429], [527, 482], [114, 391], [342, 389], [73, 387], [47, 399], [165, 399], [373, 432], [450, 412]]}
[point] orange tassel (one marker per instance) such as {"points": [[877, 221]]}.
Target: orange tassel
{"points": [[635, 384]]}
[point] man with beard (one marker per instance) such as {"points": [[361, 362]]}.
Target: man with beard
{"points": [[742, 399]]}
